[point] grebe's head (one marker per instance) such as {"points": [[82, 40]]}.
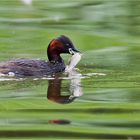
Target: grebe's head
{"points": [[60, 45]]}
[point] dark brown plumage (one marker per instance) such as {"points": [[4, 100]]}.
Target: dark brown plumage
{"points": [[28, 67]]}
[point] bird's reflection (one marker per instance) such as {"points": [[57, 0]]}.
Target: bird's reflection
{"points": [[75, 90], [60, 122]]}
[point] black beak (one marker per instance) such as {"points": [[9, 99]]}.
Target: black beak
{"points": [[75, 50], [72, 51]]}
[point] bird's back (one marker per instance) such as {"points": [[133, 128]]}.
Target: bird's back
{"points": [[29, 67]]}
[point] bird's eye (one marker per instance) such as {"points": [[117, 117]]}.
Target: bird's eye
{"points": [[67, 45]]}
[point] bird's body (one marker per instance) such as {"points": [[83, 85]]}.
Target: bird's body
{"points": [[28, 67], [23, 67]]}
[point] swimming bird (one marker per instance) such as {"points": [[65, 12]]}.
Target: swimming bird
{"points": [[23, 67]]}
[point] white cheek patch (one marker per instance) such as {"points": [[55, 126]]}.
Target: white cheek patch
{"points": [[73, 62]]}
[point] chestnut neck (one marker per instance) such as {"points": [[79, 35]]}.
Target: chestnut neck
{"points": [[53, 54]]}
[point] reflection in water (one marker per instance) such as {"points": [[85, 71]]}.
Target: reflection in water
{"points": [[54, 88], [110, 109], [60, 122], [27, 2]]}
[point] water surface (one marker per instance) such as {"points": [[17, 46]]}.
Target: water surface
{"points": [[101, 100]]}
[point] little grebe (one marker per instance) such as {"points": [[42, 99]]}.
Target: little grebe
{"points": [[28, 67]]}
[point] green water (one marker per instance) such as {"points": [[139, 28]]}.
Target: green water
{"points": [[107, 33]]}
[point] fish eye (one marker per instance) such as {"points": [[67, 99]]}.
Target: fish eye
{"points": [[71, 51]]}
